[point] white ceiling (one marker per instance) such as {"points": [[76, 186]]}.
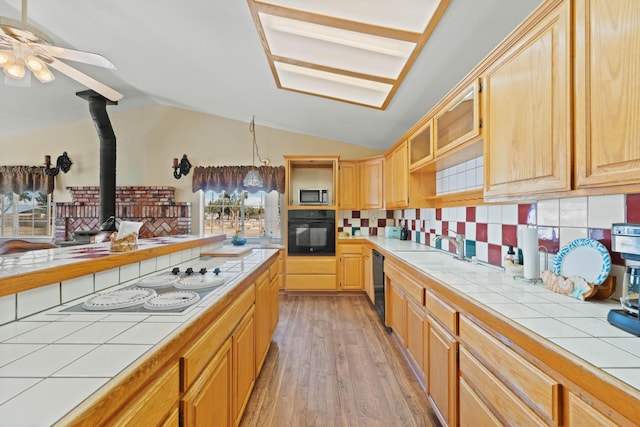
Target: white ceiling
{"points": [[206, 56]]}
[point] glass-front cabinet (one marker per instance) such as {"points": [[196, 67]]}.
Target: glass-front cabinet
{"points": [[421, 146], [459, 121]]}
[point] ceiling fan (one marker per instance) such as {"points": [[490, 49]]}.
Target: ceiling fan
{"points": [[23, 45]]}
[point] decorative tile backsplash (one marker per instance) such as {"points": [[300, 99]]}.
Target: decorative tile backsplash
{"points": [[490, 229]]}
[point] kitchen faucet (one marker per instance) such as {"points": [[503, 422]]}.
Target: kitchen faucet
{"points": [[458, 241]]}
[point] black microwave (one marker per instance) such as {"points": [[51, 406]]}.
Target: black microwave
{"points": [[313, 196]]}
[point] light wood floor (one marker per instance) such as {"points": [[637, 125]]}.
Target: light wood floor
{"points": [[333, 364]]}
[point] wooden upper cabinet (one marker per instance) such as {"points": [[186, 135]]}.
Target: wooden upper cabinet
{"points": [[527, 116], [421, 146], [458, 121], [371, 183], [396, 177], [607, 88], [348, 185]]}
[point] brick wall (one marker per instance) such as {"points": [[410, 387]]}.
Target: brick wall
{"points": [[153, 206]]}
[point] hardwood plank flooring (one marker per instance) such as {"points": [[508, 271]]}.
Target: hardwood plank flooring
{"points": [[332, 364]]}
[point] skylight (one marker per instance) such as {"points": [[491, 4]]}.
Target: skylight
{"points": [[356, 51]]}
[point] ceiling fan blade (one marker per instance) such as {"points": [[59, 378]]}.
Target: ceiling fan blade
{"points": [[89, 82], [76, 55]]}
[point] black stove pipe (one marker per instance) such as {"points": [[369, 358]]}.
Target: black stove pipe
{"points": [[98, 109]]}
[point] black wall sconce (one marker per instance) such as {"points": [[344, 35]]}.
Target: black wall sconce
{"points": [[63, 163], [182, 168]]}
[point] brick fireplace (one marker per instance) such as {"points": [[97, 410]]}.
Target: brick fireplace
{"points": [[153, 206]]}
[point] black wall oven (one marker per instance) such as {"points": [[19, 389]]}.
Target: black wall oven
{"points": [[312, 232]]}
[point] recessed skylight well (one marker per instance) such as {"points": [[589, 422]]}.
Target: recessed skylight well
{"points": [[357, 51]]}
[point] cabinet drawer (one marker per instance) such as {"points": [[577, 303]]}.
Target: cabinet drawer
{"points": [[581, 414], [502, 400], [473, 411], [412, 289], [522, 377], [155, 404], [346, 248], [197, 357], [316, 282], [311, 265], [443, 312]]}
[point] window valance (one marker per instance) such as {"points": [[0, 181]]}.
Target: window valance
{"points": [[20, 179], [229, 178]]}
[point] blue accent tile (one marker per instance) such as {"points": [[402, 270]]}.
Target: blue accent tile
{"points": [[469, 248]]}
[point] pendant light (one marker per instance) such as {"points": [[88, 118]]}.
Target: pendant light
{"points": [[253, 178]]}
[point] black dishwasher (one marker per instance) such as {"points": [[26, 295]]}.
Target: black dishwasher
{"points": [[378, 282]]}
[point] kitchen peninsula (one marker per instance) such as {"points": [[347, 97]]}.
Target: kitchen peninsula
{"points": [[96, 368]]}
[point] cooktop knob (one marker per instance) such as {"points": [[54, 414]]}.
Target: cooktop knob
{"points": [[203, 270], [189, 271], [175, 270], [216, 271]]}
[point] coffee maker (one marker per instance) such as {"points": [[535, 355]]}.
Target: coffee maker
{"points": [[625, 239]]}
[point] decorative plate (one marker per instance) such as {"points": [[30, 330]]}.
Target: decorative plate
{"points": [[201, 281], [122, 298], [586, 258], [161, 281], [171, 300]]}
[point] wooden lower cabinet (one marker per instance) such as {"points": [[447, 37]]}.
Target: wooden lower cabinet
{"points": [[351, 267], [416, 321], [311, 273], [442, 376], [209, 400], [263, 318], [367, 277], [244, 356], [274, 306], [395, 306]]}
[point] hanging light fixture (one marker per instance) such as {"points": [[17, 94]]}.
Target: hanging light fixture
{"points": [[253, 178]]}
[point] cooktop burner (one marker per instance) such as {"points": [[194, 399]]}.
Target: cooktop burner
{"points": [[165, 293]]}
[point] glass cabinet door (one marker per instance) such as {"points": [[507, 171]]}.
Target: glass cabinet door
{"points": [[459, 121], [421, 146]]}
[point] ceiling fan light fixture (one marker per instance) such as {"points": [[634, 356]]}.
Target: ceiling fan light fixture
{"points": [[6, 58], [15, 71], [44, 75], [33, 63]]}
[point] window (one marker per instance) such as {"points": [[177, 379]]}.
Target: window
{"points": [[26, 214], [253, 214]]}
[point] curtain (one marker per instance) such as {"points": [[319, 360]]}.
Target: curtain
{"points": [[229, 178], [20, 179]]}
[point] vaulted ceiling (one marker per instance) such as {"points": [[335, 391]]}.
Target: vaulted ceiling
{"points": [[206, 56]]}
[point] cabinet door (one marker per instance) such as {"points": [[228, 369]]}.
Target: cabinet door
{"points": [[263, 319], [244, 373], [395, 310], [371, 184], [607, 93], [348, 185], [351, 271], [527, 116], [400, 183], [415, 334], [459, 120], [209, 400], [368, 274], [274, 308], [421, 146], [442, 385]]}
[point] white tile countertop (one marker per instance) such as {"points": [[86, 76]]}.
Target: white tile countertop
{"points": [[57, 359], [578, 327]]}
